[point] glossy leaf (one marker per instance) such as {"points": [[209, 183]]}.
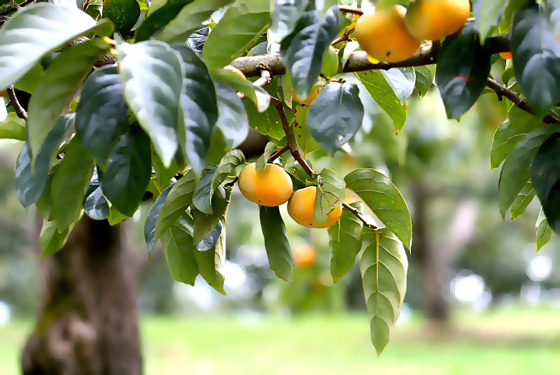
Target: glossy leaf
{"points": [[402, 81], [101, 117], [36, 30], [543, 231], [232, 118], [95, 204], [384, 199], [51, 239], [241, 25], [536, 58], [330, 195], [345, 242], [159, 18], [211, 261], [128, 172], [462, 71], [197, 40], [256, 94], [56, 90], [302, 51], [276, 243], [487, 14], [178, 248], [205, 224], [151, 219], [525, 197], [384, 266], [285, 16], [336, 115], [152, 75], [424, 78]]}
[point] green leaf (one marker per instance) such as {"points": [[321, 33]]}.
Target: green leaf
{"points": [[123, 13], [384, 199], [384, 266], [424, 78], [101, 117], [12, 128], [211, 261], [518, 124], [95, 204], [536, 58], [329, 195], [51, 239], [179, 199], [178, 248], [381, 91], [151, 219], [269, 122], [200, 109], [276, 243], [519, 205], [402, 81], [56, 90], [302, 134], [345, 242], [212, 180], [238, 29], [197, 39], [336, 115], [545, 175], [285, 16], [256, 94], [462, 71], [30, 80], [128, 172], [232, 118], [157, 19], [31, 182], [189, 19], [262, 161], [70, 184], [36, 30], [516, 170], [152, 75], [487, 14], [303, 50], [543, 231], [205, 224]]}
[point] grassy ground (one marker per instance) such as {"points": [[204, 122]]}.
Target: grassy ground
{"points": [[506, 342]]}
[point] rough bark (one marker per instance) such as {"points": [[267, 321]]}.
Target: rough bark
{"points": [[88, 323]]}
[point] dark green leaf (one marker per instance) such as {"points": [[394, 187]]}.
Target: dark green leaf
{"points": [[205, 224], [302, 51], [102, 114], [51, 239], [336, 115], [424, 78], [209, 242], [543, 231], [232, 119], [157, 19], [95, 204], [285, 16], [276, 243], [211, 261], [128, 171], [197, 39], [536, 58], [330, 195], [345, 242], [462, 71], [519, 205], [178, 248], [123, 13], [151, 219], [384, 199]]}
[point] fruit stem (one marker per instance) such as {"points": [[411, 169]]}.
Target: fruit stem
{"points": [[358, 214], [20, 112]]}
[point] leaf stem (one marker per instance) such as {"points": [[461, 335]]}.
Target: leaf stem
{"points": [[359, 215], [20, 111]]}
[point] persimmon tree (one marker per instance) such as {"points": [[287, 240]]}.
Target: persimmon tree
{"points": [[159, 105]]}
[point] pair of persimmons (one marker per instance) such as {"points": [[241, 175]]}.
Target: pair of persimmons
{"points": [[273, 187]]}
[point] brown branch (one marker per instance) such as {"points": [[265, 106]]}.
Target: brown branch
{"points": [[348, 9], [15, 103], [343, 37], [15, 7], [278, 153], [359, 215]]}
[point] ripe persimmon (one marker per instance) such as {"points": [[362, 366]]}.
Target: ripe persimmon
{"points": [[270, 187], [301, 208], [436, 19], [305, 255]]}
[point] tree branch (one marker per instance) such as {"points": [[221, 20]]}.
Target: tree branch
{"points": [[15, 7], [15, 103], [359, 215], [348, 9]]}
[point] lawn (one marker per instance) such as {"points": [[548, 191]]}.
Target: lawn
{"points": [[506, 342]]}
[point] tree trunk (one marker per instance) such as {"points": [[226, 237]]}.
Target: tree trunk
{"points": [[88, 321]]}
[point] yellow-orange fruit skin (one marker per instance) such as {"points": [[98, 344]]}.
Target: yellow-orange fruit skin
{"points": [[301, 208], [310, 99], [305, 255], [270, 187], [384, 35], [436, 19]]}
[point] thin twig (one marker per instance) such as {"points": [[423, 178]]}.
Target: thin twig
{"points": [[348, 9], [15, 103], [343, 37], [278, 153], [359, 215], [15, 7]]}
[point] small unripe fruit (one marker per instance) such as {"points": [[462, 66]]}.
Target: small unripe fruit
{"points": [[436, 19], [384, 35], [301, 208], [270, 187]]}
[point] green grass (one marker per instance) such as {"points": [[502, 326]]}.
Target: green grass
{"points": [[506, 342]]}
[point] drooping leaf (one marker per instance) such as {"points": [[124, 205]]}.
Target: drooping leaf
{"points": [[381, 91], [13, 128], [345, 242], [402, 81], [536, 58], [232, 118], [189, 19], [210, 260], [487, 14], [256, 94], [262, 161], [205, 224], [62, 79], [31, 79], [152, 75], [36, 30], [159, 18], [209, 183], [51, 239], [70, 184], [525, 197], [543, 231], [545, 175], [285, 16], [330, 195], [302, 51], [199, 107], [516, 170], [276, 243], [336, 115], [462, 71], [95, 204], [384, 199], [178, 248], [128, 171], [424, 78], [384, 266], [151, 219], [101, 117]]}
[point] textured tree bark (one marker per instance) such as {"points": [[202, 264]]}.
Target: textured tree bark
{"points": [[88, 321]]}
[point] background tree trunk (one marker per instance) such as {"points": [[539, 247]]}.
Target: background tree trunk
{"points": [[88, 321]]}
